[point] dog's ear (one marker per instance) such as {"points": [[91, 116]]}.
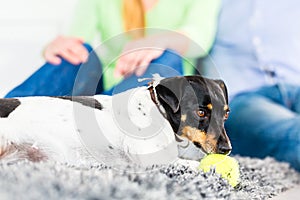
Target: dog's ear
{"points": [[222, 85], [170, 91], [164, 94]]}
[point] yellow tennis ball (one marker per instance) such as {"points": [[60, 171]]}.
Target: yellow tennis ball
{"points": [[224, 165]]}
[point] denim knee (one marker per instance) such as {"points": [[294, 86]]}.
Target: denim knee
{"points": [[260, 127], [53, 80], [170, 59], [169, 64]]}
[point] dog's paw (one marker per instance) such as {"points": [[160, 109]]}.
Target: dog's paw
{"points": [[11, 152], [4, 147]]}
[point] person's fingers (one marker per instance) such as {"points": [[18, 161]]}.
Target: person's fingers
{"points": [[140, 70], [119, 68], [117, 73], [147, 56], [69, 48], [143, 66], [124, 65], [135, 62], [80, 40], [135, 59], [52, 58], [70, 57], [80, 51]]}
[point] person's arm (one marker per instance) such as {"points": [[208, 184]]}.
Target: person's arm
{"points": [[200, 25], [137, 54], [83, 29], [85, 20], [193, 38]]}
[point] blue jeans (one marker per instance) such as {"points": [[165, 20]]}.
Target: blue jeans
{"points": [[266, 122], [67, 79]]}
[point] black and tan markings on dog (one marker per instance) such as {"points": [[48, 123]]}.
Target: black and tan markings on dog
{"points": [[43, 128]]}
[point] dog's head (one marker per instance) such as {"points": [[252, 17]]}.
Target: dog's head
{"points": [[197, 108]]}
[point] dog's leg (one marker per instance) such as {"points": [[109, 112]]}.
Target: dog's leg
{"points": [[12, 152]]}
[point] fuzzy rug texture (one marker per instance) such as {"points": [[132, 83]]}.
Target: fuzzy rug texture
{"points": [[260, 179]]}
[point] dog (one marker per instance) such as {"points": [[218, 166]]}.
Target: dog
{"points": [[140, 121]]}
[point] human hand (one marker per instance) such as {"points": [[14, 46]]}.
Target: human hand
{"points": [[69, 48], [136, 57]]}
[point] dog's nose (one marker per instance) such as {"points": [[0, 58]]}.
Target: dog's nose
{"points": [[224, 149]]}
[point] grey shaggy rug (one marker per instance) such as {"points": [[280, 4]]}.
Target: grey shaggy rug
{"points": [[260, 179]]}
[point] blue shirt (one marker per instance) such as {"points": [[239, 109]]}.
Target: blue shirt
{"points": [[257, 44]]}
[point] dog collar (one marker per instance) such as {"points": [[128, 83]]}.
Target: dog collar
{"points": [[154, 98], [152, 92]]}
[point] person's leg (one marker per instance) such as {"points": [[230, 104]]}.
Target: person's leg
{"points": [[260, 125], [58, 80], [291, 97], [167, 65]]}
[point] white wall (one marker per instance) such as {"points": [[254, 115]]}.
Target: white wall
{"points": [[26, 26]]}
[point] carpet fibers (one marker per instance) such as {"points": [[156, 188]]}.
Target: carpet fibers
{"points": [[260, 179]]}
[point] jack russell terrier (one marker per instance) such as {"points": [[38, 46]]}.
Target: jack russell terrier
{"points": [[141, 123]]}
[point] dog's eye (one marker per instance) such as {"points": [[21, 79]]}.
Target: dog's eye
{"points": [[201, 113], [227, 114]]}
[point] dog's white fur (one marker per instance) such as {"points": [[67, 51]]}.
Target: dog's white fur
{"points": [[64, 130]]}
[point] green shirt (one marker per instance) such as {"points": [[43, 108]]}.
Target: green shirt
{"points": [[196, 18]]}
